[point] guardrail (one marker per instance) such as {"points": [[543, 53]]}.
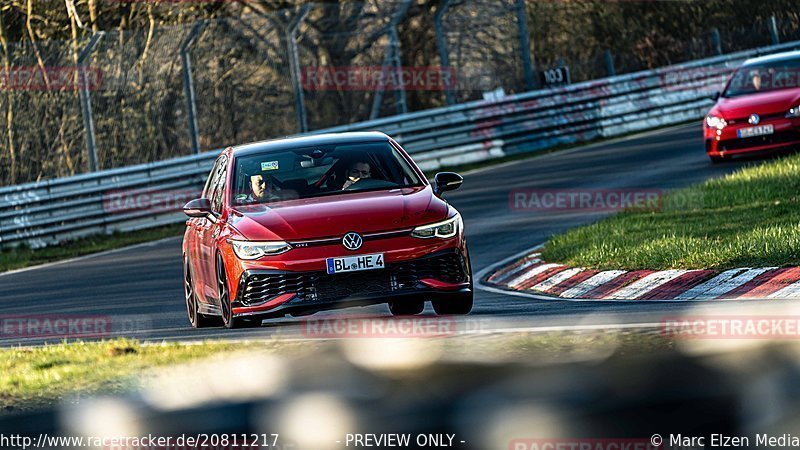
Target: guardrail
{"points": [[52, 211]]}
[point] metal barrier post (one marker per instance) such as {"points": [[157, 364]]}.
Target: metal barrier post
{"points": [[294, 66], [773, 30], [441, 41], [86, 101], [716, 41], [566, 69], [525, 46], [188, 85], [609, 58]]}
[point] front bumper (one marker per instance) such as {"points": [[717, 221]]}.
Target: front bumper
{"points": [[276, 292], [726, 142]]}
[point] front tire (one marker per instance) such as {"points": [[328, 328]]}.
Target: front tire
{"points": [[226, 310], [456, 305], [196, 319]]}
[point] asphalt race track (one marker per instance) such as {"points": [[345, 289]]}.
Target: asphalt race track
{"points": [[140, 288]]}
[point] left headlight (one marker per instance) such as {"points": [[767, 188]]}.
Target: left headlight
{"points": [[715, 122], [793, 112], [255, 250], [444, 229]]}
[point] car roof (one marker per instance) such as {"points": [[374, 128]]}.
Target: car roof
{"points": [[775, 57], [308, 141]]}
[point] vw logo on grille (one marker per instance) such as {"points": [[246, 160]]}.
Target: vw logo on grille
{"points": [[753, 119], [352, 241]]}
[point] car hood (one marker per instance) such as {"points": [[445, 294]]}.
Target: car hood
{"points": [[766, 103], [333, 216]]}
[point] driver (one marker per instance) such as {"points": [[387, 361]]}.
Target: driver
{"points": [[756, 80], [357, 171], [258, 187], [262, 189]]}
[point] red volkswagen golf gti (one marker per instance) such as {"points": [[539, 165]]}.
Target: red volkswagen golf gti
{"points": [[759, 110], [300, 225]]}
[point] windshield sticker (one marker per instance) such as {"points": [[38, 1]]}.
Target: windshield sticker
{"points": [[269, 165]]}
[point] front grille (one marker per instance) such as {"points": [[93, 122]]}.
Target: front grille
{"points": [[319, 286], [762, 118], [447, 268], [784, 137], [336, 287], [258, 287]]}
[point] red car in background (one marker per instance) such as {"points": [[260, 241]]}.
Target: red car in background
{"points": [[296, 226], [759, 110]]}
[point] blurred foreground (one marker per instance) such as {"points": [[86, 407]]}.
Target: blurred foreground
{"points": [[519, 390]]}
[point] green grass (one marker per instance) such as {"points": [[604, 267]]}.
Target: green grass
{"points": [[15, 258], [41, 376], [748, 218]]}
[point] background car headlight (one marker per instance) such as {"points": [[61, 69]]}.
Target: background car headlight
{"points": [[255, 250], [715, 122], [445, 229], [793, 112]]}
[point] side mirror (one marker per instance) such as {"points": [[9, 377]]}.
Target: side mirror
{"points": [[715, 96], [446, 181], [199, 207]]}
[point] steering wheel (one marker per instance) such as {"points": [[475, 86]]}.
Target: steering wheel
{"points": [[370, 183]]}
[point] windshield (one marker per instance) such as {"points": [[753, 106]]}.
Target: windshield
{"points": [[765, 77], [318, 171]]}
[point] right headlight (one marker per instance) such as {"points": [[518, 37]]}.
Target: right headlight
{"points": [[444, 229], [254, 250], [716, 122], [793, 112]]}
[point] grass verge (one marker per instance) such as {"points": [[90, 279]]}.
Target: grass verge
{"points": [[19, 257], [750, 218]]}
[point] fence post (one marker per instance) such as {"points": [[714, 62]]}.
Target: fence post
{"points": [[188, 85], [716, 41], [562, 65], [86, 101], [294, 66], [609, 58], [773, 30], [525, 45], [393, 58], [441, 42]]}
